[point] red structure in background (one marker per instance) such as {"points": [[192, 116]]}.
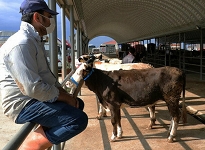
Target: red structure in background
{"points": [[112, 42]]}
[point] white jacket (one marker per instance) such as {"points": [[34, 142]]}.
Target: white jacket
{"points": [[24, 71]]}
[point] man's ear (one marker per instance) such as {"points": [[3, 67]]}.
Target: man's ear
{"points": [[36, 17]]}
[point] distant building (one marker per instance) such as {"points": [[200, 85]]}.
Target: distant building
{"points": [[112, 42], [90, 47], [4, 35]]}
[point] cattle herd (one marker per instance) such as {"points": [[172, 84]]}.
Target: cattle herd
{"points": [[133, 85]]}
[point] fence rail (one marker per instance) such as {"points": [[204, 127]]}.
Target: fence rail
{"points": [[183, 60]]}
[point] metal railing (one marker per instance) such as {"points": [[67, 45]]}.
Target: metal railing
{"points": [[188, 62]]}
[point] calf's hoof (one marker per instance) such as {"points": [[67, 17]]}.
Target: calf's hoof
{"points": [[119, 135], [170, 140], [104, 115], [99, 117], [113, 140], [150, 126]]}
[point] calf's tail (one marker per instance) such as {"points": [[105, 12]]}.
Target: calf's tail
{"points": [[184, 112]]}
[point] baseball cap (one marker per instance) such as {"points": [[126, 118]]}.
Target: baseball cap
{"points": [[28, 6]]}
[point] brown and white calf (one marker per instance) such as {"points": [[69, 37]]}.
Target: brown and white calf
{"points": [[113, 65], [136, 88]]}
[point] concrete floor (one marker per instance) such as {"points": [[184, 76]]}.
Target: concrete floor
{"points": [[136, 136], [134, 124]]}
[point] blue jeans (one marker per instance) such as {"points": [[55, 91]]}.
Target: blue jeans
{"points": [[60, 121]]}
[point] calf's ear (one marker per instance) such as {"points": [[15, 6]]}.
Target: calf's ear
{"points": [[91, 60], [80, 59]]}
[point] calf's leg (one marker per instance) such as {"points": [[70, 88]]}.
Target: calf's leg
{"points": [[116, 122], [173, 127], [152, 116], [119, 127], [101, 112], [175, 114]]}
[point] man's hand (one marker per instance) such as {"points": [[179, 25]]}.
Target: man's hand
{"points": [[64, 96], [72, 101]]}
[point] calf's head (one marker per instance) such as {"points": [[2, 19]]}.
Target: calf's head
{"points": [[85, 58], [82, 71]]}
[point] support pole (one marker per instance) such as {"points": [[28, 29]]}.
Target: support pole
{"points": [[78, 40], [201, 54], [81, 49], [72, 37], [64, 61], [165, 51], [53, 42], [183, 62], [179, 51]]}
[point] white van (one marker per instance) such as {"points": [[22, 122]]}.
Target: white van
{"points": [[95, 50]]}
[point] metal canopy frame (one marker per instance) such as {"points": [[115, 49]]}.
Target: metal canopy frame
{"points": [[135, 20]]}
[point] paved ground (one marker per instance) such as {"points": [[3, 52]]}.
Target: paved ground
{"points": [[136, 136], [195, 96], [134, 123]]}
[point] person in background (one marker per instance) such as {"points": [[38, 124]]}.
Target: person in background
{"points": [[130, 57], [29, 90]]}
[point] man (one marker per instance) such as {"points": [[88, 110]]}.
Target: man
{"points": [[29, 91], [129, 58]]}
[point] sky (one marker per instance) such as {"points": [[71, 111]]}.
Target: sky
{"points": [[11, 19]]}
